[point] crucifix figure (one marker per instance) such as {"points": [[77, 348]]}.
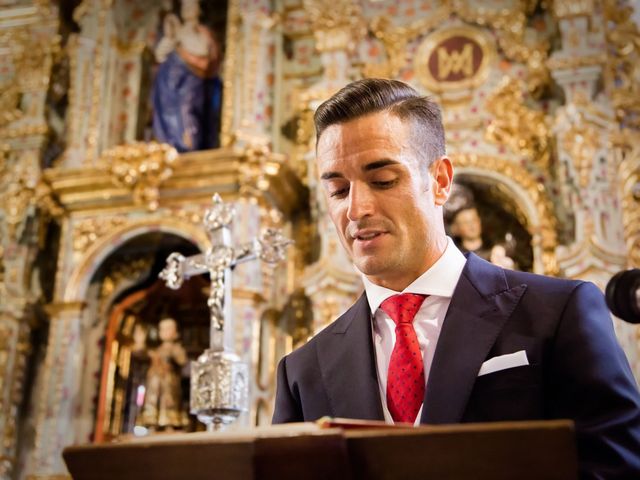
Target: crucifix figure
{"points": [[219, 383]]}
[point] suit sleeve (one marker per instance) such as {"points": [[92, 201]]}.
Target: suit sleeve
{"points": [[287, 406], [592, 384]]}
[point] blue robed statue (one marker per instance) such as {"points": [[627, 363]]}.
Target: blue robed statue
{"points": [[187, 90]]}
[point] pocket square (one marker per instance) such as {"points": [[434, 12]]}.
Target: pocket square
{"points": [[502, 362]]}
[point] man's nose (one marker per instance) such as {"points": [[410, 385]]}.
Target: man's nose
{"points": [[361, 202]]}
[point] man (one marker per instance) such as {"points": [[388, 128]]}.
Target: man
{"points": [[437, 337]]}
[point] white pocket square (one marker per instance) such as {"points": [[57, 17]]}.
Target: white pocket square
{"points": [[502, 362]]}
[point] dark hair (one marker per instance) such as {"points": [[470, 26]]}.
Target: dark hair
{"points": [[372, 95]]}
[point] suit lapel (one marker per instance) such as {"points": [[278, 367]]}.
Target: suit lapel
{"points": [[348, 366], [481, 304]]}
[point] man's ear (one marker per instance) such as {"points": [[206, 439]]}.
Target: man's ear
{"points": [[442, 172]]}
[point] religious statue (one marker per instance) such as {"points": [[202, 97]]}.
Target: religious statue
{"points": [[466, 228], [162, 408], [187, 91]]}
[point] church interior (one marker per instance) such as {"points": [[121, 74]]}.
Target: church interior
{"points": [[99, 183]]}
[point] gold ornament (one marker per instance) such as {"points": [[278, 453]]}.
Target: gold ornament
{"points": [[336, 24], [395, 40], [572, 8], [622, 72], [88, 231], [524, 130], [141, 167], [627, 146]]}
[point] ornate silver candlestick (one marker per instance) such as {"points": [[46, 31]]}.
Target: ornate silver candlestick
{"points": [[219, 378]]}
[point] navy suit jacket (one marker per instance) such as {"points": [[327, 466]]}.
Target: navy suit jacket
{"points": [[576, 370]]}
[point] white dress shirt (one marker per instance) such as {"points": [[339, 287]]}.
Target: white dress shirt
{"points": [[438, 283]]}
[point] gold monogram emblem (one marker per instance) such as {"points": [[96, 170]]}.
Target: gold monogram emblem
{"points": [[453, 59], [455, 62]]}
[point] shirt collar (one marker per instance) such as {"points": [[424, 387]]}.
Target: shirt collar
{"points": [[439, 280]]}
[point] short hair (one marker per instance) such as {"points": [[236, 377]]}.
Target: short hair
{"points": [[373, 95]]}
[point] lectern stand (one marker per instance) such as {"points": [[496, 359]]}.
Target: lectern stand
{"points": [[505, 450]]}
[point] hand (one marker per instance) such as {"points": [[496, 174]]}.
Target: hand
{"points": [[164, 48]]}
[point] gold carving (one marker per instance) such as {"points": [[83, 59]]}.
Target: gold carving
{"points": [[396, 39], [29, 43], [192, 216], [336, 24], [9, 105], [572, 8], [587, 248], [196, 176], [622, 73], [15, 348], [17, 194], [582, 143], [509, 26], [24, 131], [304, 133], [628, 147], [92, 229], [83, 268], [462, 56], [47, 201], [395, 43], [257, 164], [32, 60], [57, 308], [522, 129], [544, 233], [141, 167], [569, 63]]}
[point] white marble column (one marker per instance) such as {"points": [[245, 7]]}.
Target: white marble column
{"points": [[57, 392]]}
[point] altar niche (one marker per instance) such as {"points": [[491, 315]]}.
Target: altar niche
{"points": [[150, 334], [182, 81], [486, 209]]}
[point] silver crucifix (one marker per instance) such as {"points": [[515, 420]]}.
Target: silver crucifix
{"points": [[219, 379]]}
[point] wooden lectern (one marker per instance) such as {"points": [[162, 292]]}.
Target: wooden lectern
{"points": [[505, 450]]}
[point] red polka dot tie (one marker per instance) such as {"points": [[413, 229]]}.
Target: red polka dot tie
{"points": [[405, 379]]}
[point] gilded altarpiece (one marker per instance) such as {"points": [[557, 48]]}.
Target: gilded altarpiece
{"points": [[29, 47], [108, 190], [541, 104]]}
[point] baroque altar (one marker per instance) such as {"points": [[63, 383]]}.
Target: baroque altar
{"points": [[541, 105]]}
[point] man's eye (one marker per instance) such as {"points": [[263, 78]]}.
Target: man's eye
{"points": [[340, 192], [385, 184]]}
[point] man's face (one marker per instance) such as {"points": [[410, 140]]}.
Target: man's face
{"points": [[387, 214]]}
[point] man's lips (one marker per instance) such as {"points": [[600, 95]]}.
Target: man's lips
{"points": [[366, 234]]}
